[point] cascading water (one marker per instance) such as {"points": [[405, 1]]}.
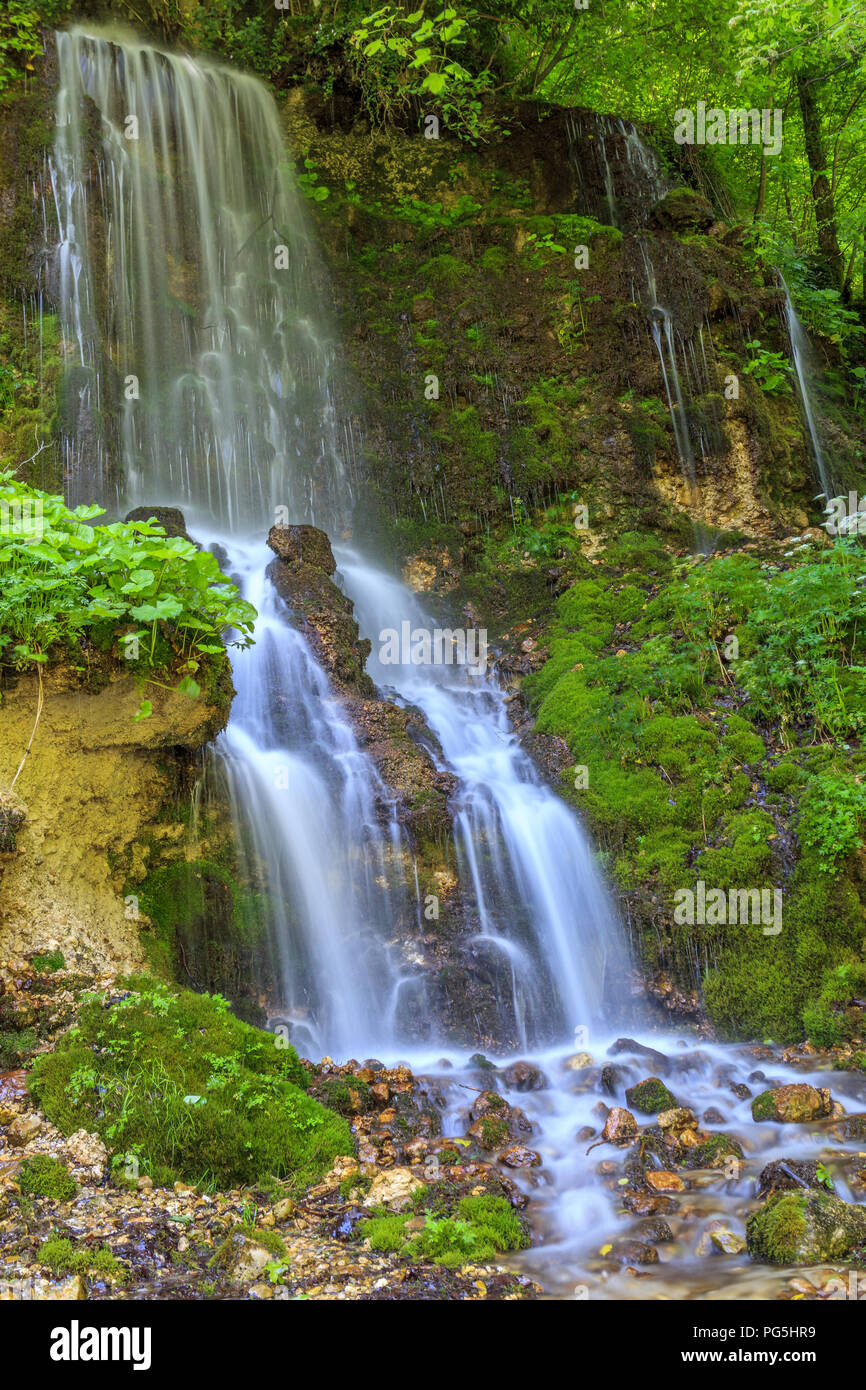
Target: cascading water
{"points": [[541, 901], [205, 274], [801, 355]]}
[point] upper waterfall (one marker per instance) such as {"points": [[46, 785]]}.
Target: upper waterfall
{"points": [[187, 251]]}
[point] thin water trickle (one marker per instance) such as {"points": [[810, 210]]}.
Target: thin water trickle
{"points": [[801, 356]]}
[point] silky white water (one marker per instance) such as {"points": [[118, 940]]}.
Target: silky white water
{"points": [[187, 274]]}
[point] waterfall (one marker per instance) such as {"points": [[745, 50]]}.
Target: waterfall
{"points": [[801, 356], [188, 287]]}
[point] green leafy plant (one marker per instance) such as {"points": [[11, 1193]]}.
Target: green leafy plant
{"points": [[160, 602], [771, 370]]}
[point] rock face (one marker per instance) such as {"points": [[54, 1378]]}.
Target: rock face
{"points": [[301, 574], [805, 1227], [94, 784], [395, 738], [303, 545]]}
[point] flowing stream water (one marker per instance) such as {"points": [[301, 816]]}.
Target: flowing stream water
{"points": [[188, 281]]}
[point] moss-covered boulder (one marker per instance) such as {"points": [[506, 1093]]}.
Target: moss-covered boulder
{"points": [[651, 1096], [713, 1152], [174, 1081], [805, 1227], [795, 1104]]}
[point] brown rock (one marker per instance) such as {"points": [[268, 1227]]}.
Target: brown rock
{"points": [[303, 545], [664, 1182], [620, 1127]]}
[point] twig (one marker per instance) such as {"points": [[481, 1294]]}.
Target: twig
{"points": [[39, 703]]}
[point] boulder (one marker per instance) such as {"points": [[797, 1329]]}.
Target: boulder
{"points": [[805, 1227], [393, 1189], [683, 210], [797, 1103], [303, 545], [789, 1175], [651, 1096], [171, 519]]}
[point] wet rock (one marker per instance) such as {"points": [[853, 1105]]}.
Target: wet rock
{"points": [[393, 1189], [788, 1174], [634, 1252], [584, 1134], [22, 1130], [612, 1079], [636, 1049], [805, 1227], [714, 1151], [87, 1154], [793, 1104], [519, 1156], [740, 1090], [712, 1116], [660, 1181], [620, 1127], [648, 1204], [657, 1231], [854, 1127], [523, 1076], [677, 1119], [303, 545], [717, 1237], [651, 1096], [579, 1061], [171, 519]]}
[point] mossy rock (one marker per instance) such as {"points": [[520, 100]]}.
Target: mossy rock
{"points": [[805, 1227], [714, 1152], [176, 1080], [651, 1097]]}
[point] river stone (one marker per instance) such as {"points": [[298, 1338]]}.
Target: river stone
{"points": [[651, 1096], [171, 519], [794, 1104], [302, 545], [805, 1227], [788, 1174], [393, 1189], [523, 1076], [636, 1049], [620, 1127]]}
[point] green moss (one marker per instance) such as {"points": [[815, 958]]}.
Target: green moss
{"points": [[713, 1152], [49, 962], [805, 1227], [63, 1257], [493, 1132], [480, 1228], [42, 1176], [764, 1107], [174, 1079], [650, 1097]]}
